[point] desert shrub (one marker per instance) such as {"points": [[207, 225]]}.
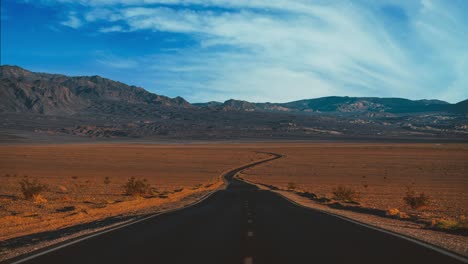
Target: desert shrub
{"points": [[415, 201], [445, 224], [345, 194], [32, 189], [136, 187], [107, 181], [394, 212], [291, 186], [450, 224], [74, 177]]}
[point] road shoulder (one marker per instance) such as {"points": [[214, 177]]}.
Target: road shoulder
{"points": [[451, 243], [20, 248]]}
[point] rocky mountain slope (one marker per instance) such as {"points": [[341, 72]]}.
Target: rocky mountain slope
{"points": [[25, 91], [51, 104]]}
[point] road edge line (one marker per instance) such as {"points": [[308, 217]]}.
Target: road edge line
{"points": [[98, 233], [402, 236]]}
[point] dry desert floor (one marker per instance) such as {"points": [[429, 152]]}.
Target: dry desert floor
{"points": [[379, 173], [78, 190], [85, 181]]}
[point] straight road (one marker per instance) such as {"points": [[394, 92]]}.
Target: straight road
{"points": [[243, 224]]}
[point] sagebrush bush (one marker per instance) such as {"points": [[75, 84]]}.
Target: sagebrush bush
{"points": [[444, 224], [450, 224], [136, 187], [345, 194], [394, 212], [416, 201], [107, 180], [31, 189]]}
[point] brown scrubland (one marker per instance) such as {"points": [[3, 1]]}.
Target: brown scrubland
{"points": [[77, 183], [430, 180]]}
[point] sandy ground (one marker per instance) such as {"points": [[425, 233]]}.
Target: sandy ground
{"points": [[452, 242], [381, 173], [75, 176]]}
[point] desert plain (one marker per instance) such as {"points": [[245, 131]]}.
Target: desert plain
{"points": [[380, 174], [85, 181]]}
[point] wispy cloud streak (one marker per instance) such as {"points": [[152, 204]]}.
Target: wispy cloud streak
{"points": [[282, 50]]}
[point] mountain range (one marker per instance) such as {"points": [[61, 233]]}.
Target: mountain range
{"points": [[337, 104], [25, 91], [93, 106]]}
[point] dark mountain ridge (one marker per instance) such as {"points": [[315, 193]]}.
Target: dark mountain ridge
{"points": [[25, 91], [338, 104], [96, 107]]}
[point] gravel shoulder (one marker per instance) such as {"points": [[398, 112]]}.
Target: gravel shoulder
{"points": [[20, 245], [451, 242]]}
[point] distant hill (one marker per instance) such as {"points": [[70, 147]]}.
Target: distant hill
{"points": [[364, 104], [96, 107], [336, 104], [25, 91], [461, 107]]}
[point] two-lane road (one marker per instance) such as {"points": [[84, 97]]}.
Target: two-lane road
{"points": [[243, 224]]}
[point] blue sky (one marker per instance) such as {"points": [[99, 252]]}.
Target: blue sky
{"points": [[256, 50]]}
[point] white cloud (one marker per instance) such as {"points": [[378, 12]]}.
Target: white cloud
{"points": [[284, 50], [73, 21]]}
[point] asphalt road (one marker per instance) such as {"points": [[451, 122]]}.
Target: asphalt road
{"points": [[243, 224]]}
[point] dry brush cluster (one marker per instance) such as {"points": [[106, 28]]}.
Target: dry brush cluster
{"points": [[345, 194], [137, 187], [32, 189], [414, 200]]}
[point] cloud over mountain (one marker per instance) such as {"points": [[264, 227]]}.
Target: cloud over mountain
{"points": [[285, 50]]}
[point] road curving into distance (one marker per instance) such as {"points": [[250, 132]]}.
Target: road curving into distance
{"points": [[241, 224]]}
